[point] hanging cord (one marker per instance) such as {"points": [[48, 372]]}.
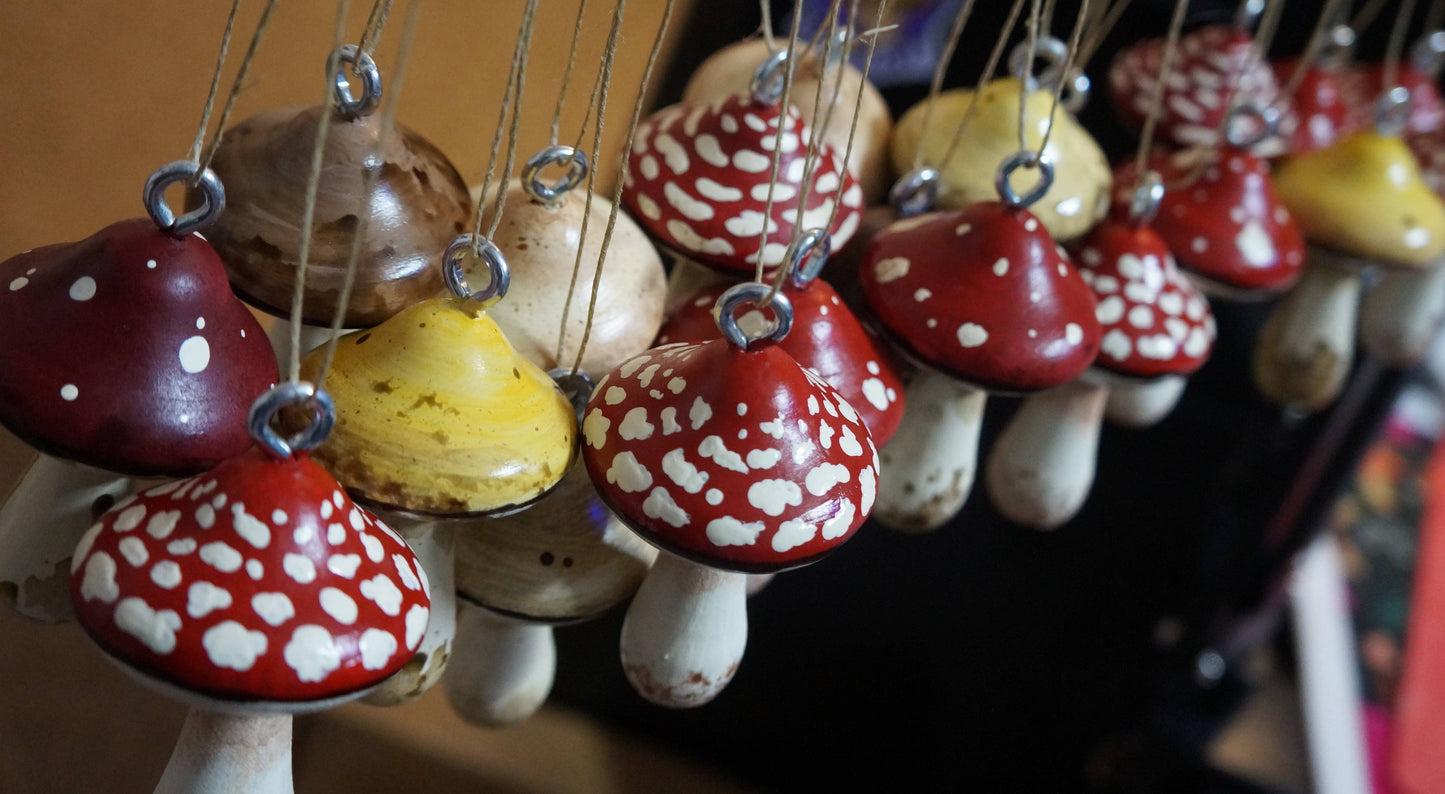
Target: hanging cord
{"points": [[200, 140], [236, 85], [1318, 37], [516, 83], [1032, 37], [1396, 46], [599, 101], [1046, 23], [965, 9], [1156, 100], [567, 74], [375, 24], [1263, 38], [617, 191], [1434, 16], [766, 10], [983, 80], [1099, 29], [784, 102], [363, 214], [1070, 55], [313, 183], [1365, 17]]}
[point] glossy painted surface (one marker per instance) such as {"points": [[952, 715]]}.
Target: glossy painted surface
{"points": [[437, 414], [697, 180], [1222, 220], [563, 559], [128, 352], [826, 338], [1079, 196], [1155, 322], [984, 295], [420, 204], [1364, 196], [257, 581], [1197, 96], [1363, 84], [1320, 115], [735, 459], [540, 243], [730, 71]]}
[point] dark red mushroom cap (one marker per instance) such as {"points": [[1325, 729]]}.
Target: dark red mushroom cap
{"points": [[1221, 219], [697, 180], [127, 351], [826, 338], [1319, 113], [1197, 94], [984, 295], [1363, 84], [736, 459], [1155, 321], [259, 581]]}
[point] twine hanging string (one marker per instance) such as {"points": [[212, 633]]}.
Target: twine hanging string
{"points": [[1318, 37], [1396, 47], [363, 213], [783, 102], [766, 10], [1032, 38], [567, 74], [516, 84], [375, 24], [1070, 56], [1156, 99], [313, 183], [236, 86], [983, 79], [617, 191], [960, 20], [599, 101], [1365, 17], [1100, 25]]}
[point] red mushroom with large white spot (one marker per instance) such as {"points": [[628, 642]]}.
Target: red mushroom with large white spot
{"points": [[731, 458], [984, 300], [121, 355], [252, 592]]}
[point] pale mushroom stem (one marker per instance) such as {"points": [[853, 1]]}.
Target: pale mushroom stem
{"points": [[230, 754], [502, 668], [685, 632], [51, 506], [758, 581], [928, 467], [432, 542], [1307, 346], [1041, 467], [278, 330], [686, 278], [1402, 314], [1139, 403]]}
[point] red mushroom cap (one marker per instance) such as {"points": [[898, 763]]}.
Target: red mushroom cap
{"points": [[1197, 94], [1155, 322], [697, 180], [826, 338], [736, 459], [1320, 116], [1362, 86], [984, 295], [259, 581], [1226, 226], [127, 351]]}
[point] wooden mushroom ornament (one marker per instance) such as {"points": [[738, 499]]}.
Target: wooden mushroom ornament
{"points": [[1079, 193], [252, 592], [731, 458], [1361, 202], [439, 417], [564, 560], [539, 234], [982, 299], [698, 179], [121, 355], [731, 70], [420, 203]]}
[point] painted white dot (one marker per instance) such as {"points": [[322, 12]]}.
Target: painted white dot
{"points": [[1073, 334], [203, 598], [340, 606], [299, 567], [274, 608], [312, 653], [19, 284], [195, 354], [150, 264], [200, 323], [156, 629], [255, 569], [972, 335], [377, 647], [382, 591], [232, 646], [713, 496], [1001, 266], [83, 289], [167, 574], [416, 619], [69, 392]]}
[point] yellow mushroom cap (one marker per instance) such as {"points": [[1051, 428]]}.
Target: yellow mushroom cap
{"points": [[1364, 196], [437, 414], [1079, 197]]}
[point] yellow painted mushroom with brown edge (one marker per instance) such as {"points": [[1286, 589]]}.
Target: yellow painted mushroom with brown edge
{"points": [[1360, 202]]}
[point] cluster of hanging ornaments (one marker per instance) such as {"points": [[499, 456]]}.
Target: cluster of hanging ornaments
{"points": [[766, 425]]}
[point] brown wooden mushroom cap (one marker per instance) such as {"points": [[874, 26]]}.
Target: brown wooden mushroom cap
{"points": [[420, 204]]}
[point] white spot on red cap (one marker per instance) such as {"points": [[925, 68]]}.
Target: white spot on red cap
{"points": [[156, 629], [377, 647], [166, 574], [99, 582], [382, 591], [299, 567], [891, 269], [416, 619], [312, 653], [274, 608], [728, 531], [69, 392], [660, 505], [972, 335], [83, 289], [792, 534], [195, 354], [203, 598], [232, 646], [340, 606]]}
